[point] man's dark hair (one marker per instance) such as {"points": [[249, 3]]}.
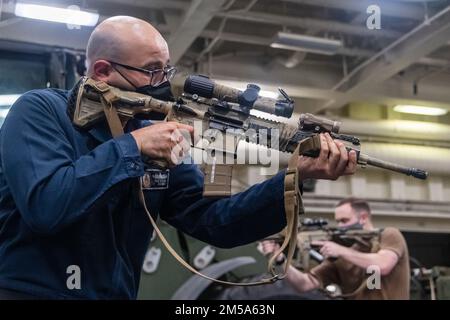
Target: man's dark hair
{"points": [[359, 205]]}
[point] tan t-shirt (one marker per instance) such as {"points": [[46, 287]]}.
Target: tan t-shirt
{"points": [[349, 277]]}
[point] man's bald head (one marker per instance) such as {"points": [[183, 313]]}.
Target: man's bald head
{"points": [[126, 40]]}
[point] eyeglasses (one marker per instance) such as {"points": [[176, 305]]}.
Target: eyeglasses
{"points": [[157, 76]]}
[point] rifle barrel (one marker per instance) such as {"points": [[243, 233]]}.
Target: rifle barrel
{"points": [[417, 173]]}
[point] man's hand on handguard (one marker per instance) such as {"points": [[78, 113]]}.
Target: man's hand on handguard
{"points": [[268, 247], [164, 140], [333, 161], [330, 249]]}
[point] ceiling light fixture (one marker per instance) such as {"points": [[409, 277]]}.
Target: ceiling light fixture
{"points": [[54, 14], [422, 110], [297, 42], [7, 100]]}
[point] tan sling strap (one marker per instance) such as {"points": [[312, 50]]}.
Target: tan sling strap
{"points": [[107, 99], [182, 261], [217, 180], [115, 125], [293, 206]]}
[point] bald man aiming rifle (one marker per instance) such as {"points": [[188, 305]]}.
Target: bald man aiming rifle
{"points": [[67, 205]]}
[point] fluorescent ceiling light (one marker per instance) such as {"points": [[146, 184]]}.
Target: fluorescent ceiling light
{"points": [[8, 99], [69, 16], [297, 42], [242, 86], [4, 113], [423, 110]]}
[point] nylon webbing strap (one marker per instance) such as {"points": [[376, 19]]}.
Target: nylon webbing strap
{"points": [[181, 260], [108, 98], [217, 182], [293, 206], [100, 86], [115, 125]]}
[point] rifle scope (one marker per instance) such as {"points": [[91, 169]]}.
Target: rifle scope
{"points": [[249, 98]]}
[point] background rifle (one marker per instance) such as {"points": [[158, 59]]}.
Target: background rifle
{"points": [[312, 230]]}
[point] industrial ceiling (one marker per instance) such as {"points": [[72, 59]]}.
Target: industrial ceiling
{"points": [[407, 59]]}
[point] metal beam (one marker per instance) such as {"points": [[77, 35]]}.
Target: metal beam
{"points": [[309, 23], [10, 21], [172, 20], [394, 9], [390, 95], [254, 68], [434, 62], [345, 51], [193, 23], [395, 92], [292, 90], [10, 7], [388, 8], [263, 41], [418, 43], [46, 33], [50, 34], [304, 85], [312, 83]]}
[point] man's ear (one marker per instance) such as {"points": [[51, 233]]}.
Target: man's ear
{"points": [[102, 70], [364, 217]]}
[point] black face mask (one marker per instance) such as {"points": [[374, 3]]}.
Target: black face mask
{"points": [[161, 92], [354, 226]]}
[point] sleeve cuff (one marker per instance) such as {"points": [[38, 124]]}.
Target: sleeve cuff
{"points": [[394, 250], [131, 155]]}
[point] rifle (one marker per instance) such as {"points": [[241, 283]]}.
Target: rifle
{"points": [[317, 230], [224, 114]]}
